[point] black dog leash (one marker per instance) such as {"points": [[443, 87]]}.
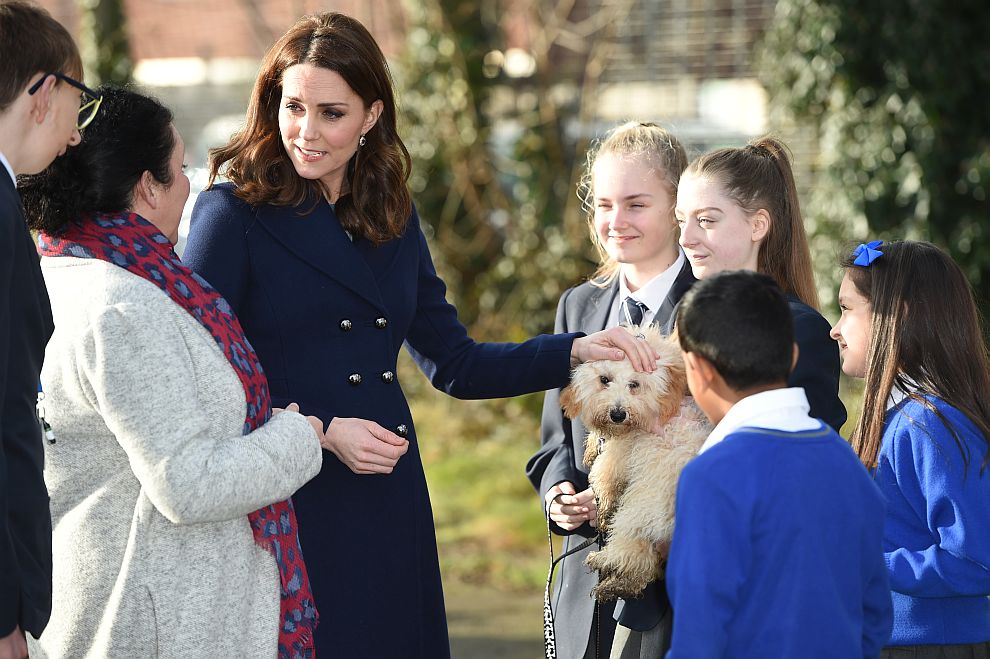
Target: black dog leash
{"points": [[549, 637]]}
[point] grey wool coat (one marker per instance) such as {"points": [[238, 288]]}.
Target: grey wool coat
{"points": [[151, 479]]}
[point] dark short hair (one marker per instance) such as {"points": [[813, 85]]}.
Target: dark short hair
{"points": [[130, 135], [741, 322], [32, 42]]}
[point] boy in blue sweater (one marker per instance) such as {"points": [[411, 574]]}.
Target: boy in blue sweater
{"points": [[777, 551]]}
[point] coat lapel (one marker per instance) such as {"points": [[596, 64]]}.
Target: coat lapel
{"points": [[594, 314], [318, 239]]}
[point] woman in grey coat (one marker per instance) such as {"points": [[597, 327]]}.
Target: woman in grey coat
{"points": [[168, 476]]}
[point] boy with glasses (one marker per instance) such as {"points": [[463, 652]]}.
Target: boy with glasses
{"points": [[42, 109]]}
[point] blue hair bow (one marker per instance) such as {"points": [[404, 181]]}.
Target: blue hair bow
{"points": [[867, 253]]}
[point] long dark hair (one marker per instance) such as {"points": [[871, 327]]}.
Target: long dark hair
{"points": [[926, 340], [378, 203], [759, 176], [131, 134]]}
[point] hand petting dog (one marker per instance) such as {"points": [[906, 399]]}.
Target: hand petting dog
{"points": [[615, 344]]}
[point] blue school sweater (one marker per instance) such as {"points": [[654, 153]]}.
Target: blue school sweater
{"points": [[937, 530], [777, 551]]}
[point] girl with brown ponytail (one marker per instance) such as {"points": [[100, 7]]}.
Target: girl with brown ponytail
{"points": [[738, 209]]}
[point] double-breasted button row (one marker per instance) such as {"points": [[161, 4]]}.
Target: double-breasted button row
{"points": [[346, 324], [355, 379]]}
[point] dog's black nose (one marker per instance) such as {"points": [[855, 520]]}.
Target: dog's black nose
{"points": [[617, 414]]}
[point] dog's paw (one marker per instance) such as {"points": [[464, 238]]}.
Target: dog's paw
{"points": [[614, 586], [598, 561]]}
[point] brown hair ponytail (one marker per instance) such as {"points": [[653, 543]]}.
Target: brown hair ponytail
{"points": [[759, 176]]}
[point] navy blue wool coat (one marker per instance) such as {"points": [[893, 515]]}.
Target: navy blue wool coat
{"points": [[327, 317]]}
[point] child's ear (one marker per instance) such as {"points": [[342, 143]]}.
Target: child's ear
{"points": [[41, 100], [760, 222], [702, 372], [568, 402]]}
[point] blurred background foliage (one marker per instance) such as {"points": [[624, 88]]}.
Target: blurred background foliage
{"points": [[103, 42], [493, 165], [897, 95]]}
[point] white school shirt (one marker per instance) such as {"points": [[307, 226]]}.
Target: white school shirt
{"points": [[652, 294], [777, 409]]}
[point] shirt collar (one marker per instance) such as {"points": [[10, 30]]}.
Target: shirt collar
{"points": [[655, 291], [776, 409], [10, 170], [897, 394]]}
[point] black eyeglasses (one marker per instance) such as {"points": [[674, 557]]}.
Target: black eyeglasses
{"points": [[89, 104]]}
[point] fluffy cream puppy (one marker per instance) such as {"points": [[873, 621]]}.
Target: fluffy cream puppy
{"points": [[642, 431]]}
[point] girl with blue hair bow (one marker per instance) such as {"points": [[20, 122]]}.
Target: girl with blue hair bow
{"points": [[910, 328]]}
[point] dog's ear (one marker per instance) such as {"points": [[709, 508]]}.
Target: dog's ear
{"points": [[568, 402], [671, 359]]}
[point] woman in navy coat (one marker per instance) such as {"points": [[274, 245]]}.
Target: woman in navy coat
{"points": [[316, 246]]}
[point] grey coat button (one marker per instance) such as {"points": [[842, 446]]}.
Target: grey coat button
{"points": [[381, 322], [354, 378], [402, 430], [346, 325], [388, 377]]}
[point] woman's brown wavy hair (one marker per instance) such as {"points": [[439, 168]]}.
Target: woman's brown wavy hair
{"points": [[759, 176], [375, 202]]}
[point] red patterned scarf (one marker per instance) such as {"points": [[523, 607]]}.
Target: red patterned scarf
{"points": [[129, 241]]}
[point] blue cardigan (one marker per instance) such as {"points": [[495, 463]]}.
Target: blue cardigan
{"points": [[777, 551], [937, 530]]}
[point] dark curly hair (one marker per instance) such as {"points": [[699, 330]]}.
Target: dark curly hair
{"points": [[131, 134]]}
